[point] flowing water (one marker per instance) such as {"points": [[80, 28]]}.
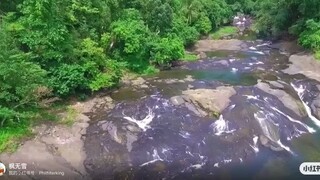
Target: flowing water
{"points": [[145, 136]]}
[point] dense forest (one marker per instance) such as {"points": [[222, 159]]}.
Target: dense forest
{"points": [[58, 48]]}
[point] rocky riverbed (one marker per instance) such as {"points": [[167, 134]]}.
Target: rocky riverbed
{"points": [[246, 109]]}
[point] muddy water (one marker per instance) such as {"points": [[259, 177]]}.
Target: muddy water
{"points": [[145, 136]]}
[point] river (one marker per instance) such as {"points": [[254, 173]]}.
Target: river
{"points": [[265, 131]]}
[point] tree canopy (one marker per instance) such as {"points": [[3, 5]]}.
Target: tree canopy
{"points": [[71, 46]]}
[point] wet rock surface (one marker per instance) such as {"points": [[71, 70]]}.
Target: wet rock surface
{"points": [[304, 64], [234, 109], [213, 100], [57, 149]]}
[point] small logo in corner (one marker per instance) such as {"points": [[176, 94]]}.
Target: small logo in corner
{"points": [[310, 168], [2, 169]]}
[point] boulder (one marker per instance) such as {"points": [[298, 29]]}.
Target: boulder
{"points": [[288, 101], [263, 140], [138, 82], [315, 106], [270, 133], [304, 64], [188, 78], [202, 55], [276, 84], [214, 100], [177, 100], [198, 111]]}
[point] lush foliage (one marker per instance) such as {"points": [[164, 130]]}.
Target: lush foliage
{"points": [[63, 47], [300, 18], [81, 45], [224, 31], [53, 48]]}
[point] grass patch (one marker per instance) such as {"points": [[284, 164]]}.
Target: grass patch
{"points": [[224, 31], [150, 70], [190, 57], [12, 136], [69, 116], [215, 114]]}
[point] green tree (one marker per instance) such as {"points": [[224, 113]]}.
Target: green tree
{"points": [[164, 50], [20, 80]]}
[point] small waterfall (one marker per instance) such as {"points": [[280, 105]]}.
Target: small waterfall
{"points": [[221, 126], [310, 130], [284, 147], [255, 144], [269, 128], [300, 90], [143, 124]]}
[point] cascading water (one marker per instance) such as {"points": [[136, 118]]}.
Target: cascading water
{"points": [[151, 138], [221, 126], [300, 91], [143, 124]]}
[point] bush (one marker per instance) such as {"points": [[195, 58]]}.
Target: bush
{"points": [[165, 50], [310, 37], [66, 78]]}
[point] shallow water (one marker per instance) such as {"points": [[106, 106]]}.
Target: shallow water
{"points": [[146, 137]]}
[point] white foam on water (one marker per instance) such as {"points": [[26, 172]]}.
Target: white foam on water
{"points": [[143, 124], [255, 144], [251, 97], [226, 161], [184, 134], [255, 140], [234, 70], [203, 142], [231, 60], [150, 162], [310, 130], [155, 154], [300, 90], [284, 147], [241, 160], [264, 44], [296, 129], [232, 106], [155, 157], [165, 104], [188, 152], [252, 48], [216, 165], [164, 151], [257, 52], [263, 123], [198, 166], [220, 126]]}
